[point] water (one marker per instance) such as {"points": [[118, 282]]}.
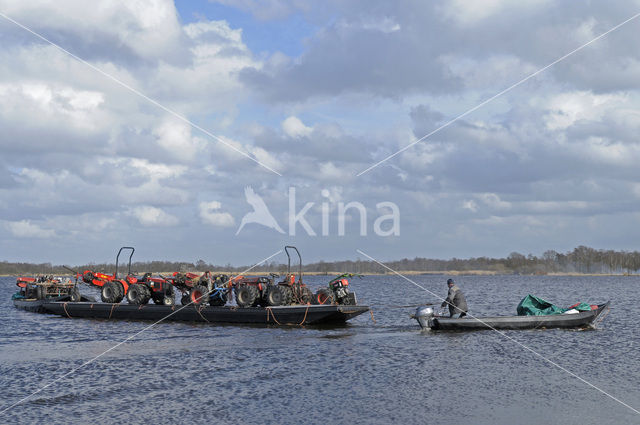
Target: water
{"points": [[364, 373]]}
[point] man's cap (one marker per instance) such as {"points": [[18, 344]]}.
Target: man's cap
{"points": [[449, 281]]}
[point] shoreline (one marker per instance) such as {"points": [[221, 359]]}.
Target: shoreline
{"points": [[404, 272]]}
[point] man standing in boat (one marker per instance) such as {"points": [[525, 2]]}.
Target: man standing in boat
{"points": [[456, 301]]}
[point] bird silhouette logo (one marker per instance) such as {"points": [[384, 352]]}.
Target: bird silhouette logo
{"points": [[260, 214]]}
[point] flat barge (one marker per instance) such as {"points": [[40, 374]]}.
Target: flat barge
{"points": [[295, 315]]}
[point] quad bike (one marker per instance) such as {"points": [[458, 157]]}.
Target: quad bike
{"points": [[138, 291], [337, 291], [200, 288]]}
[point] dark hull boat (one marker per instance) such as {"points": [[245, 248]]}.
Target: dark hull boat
{"points": [[577, 320], [282, 315], [35, 305]]}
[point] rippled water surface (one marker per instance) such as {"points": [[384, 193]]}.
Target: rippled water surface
{"points": [[366, 372]]}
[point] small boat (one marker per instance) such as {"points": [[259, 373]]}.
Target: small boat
{"points": [[428, 320], [277, 315]]}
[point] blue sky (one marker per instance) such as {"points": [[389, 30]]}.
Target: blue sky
{"points": [[318, 92]]}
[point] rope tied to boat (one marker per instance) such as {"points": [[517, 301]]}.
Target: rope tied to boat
{"points": [[198, 309], [270, 312], [372, 318], [113, 306], [64, 306]]}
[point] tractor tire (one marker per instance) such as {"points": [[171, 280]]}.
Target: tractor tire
{"points": [[247, 296], [74, 295], [135, 295], [41, 292], [287, 294], [306, 295], [109, 293], [275, 295], [198, 295], [323, 297], [146, 293], [120, 288], [184, 300], [88, 277]]}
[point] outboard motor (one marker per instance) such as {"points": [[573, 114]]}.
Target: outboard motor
{"points": [[423, 315]]}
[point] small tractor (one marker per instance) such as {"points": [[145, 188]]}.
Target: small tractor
{"points": [[260, 290], [254, 291], [200, 288], [337, 291], [137, 291]]}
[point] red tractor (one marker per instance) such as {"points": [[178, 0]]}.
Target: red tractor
{"points": [[254, 291], [137, 291]]}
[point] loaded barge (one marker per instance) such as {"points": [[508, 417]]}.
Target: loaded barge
{"points": [[259, 300], [277, 315]]}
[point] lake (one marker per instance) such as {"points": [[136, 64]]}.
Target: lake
{"points": [[366, 372]]}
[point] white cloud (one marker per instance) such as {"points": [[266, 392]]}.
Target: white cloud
{"points": [[295, 128], [209, 215], [566, 109], [27, 229], [150, 216], [175, 137]]}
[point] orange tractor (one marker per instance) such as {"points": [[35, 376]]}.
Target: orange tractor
{"points": [[254, 291], [137, 291]]}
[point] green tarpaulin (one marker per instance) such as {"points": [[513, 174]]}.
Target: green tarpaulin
{"points": [[534, 306]]}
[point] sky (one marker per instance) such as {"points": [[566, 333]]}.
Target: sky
{"points": [[174, 124]]}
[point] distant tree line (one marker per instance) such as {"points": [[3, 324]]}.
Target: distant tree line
{"points": [[581, 260]]}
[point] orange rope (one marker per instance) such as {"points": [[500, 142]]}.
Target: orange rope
{"points": [[112, 308], [372, 318], [65, 310], [198, 310]]}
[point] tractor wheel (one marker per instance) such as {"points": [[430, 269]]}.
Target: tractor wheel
{"points": [[323, 296], [275, 295], [146, 293], [109, 292], [135, 294], [120, 288], [198, 294], [41, 292], [75, 296], [185, 299], [287, 294], [306, 296], [247, 296], [88, 277]]}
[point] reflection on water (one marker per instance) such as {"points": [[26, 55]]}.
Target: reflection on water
{"points": [[366, 372]]}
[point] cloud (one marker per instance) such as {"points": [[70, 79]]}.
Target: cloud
{"points": [[209, 215], [295, 128], [150, 216], [27, 229]]}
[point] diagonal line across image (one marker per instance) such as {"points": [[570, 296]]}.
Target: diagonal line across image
{"points": [[471, 317], [129, 338], [142, 95], [508, 89]]}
